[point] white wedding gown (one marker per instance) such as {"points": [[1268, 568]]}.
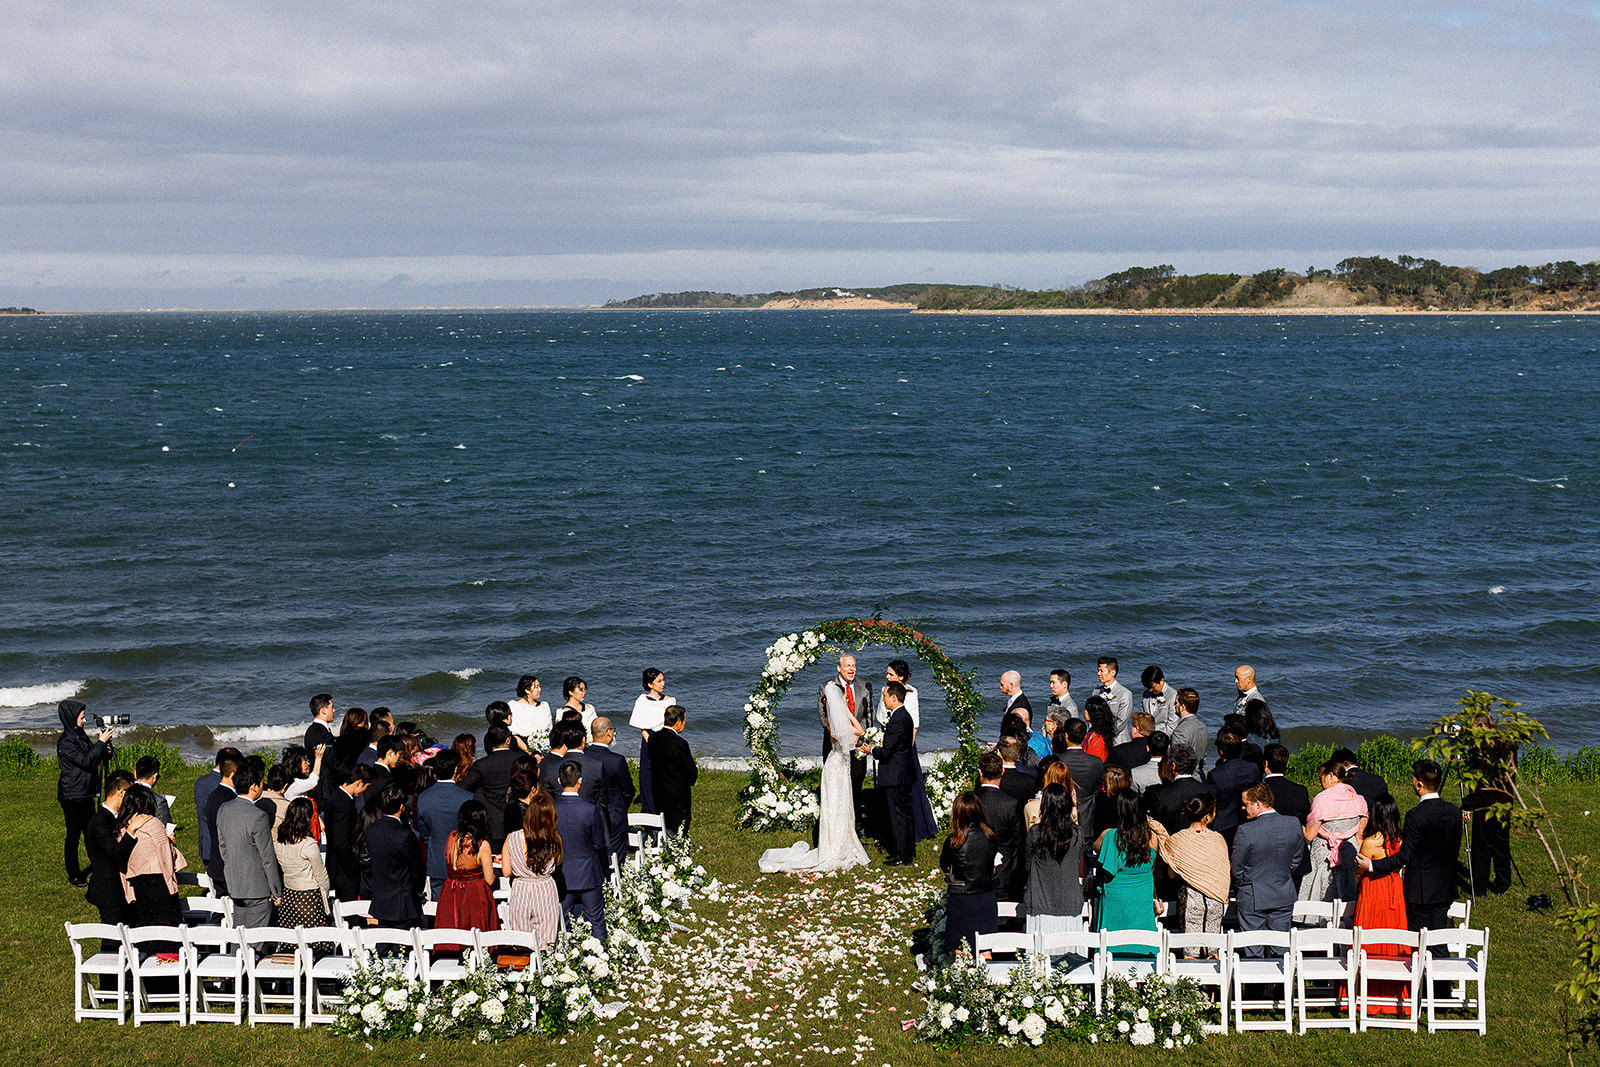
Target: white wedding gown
{"points": [[838, 847]]}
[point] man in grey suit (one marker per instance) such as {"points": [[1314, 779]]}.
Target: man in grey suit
{"points": [[1267, 850], [857, 697], [244, 839]]}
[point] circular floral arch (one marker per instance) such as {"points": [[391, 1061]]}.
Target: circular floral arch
{"points": [[779, 795]]}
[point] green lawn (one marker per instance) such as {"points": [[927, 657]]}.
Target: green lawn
{"points": [[752, 979]]}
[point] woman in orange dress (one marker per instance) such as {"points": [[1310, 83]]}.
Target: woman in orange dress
{"points": [[1381, 904]]}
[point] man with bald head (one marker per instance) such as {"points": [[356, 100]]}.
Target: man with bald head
{"points": [[616, 781], [857, 697], [1016, 699], [1244, 680]]}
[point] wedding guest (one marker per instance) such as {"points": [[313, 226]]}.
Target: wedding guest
{"points": [[229, 763], [1267, 850], [1002, 813], [79, 759], [305, 876], [146, 776], [1113, 783], [390, 750], [467, 902], [1198, 857], [1381, 905], [530, 717], [1337, 815], [108, 851], [1189, 730], [339, 825], [1135, 752], [1290, 798], [278, 780], [244, 842], [585, 848], [1053, 900], [305, 769], [1051, 772], [1126, 875], [1230, 777], [1117, 697], [649, 715], [524, 780], [1258, 721], [1147, 775], [1165, 803], [1102, 728], [1159, 700], [466, 749], [675, 771], [1017, 778], [529, 861], [968, 862], [380, 724], [354, 735], [1011, 688], [1038, 743], [1250, 752], [1429, 844], [322, 713], [564, 737], [489, 779], [1086, 768], [1370, 786], [617, 780], [396, 863], [438, 811], [203, 788], [150, 872]]}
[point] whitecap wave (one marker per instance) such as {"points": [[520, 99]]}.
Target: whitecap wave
{"points": [[1496, 590], [245, 737], [28, 696], [466, 674], [629, 378]]}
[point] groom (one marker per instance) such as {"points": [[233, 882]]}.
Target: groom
{"points": [[897, 774], [857, 697]]}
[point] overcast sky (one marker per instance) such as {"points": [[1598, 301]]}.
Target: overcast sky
{"points": [[389, 153]]}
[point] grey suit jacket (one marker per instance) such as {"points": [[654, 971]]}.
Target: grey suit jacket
{"points": [[1266, 852], [244, 838]]}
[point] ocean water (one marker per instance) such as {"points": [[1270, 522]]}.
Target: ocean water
{"points": [[208, 517]]}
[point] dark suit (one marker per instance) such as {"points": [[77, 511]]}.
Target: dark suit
{"points": [[318, 734], [203, 789], [1021, 782], [584, 863], [1164, 803], [1266, 852], [163, 811], [863, 714], [618, 779], [338, 811], [1429, 844], [1230, 779], [214, 866], [673, 774], [489, 778], [1369, 786], [438, 812], [1086, 770], [1131, 754], [897, 774], [1289, 798], [107, 855], [1004, 815], [397, 872], [549, 770], [1020, 704]]}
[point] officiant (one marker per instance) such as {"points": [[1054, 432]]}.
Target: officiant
{"points": [[857, 697]]}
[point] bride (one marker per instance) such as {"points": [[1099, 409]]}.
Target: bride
{"points": [[838, 847]]}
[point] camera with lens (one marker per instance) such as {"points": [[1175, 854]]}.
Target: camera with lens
{"points": [[105, 721]]}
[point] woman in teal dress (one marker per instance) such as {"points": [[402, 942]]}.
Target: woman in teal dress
{"points": [[1127, 876]]}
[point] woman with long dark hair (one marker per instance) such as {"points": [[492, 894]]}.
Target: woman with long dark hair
{"points": [[1053, 900], [150, 876], [967, 860], [305, 877], [649, 715], [529, 859], [1127, 875], [1102, 737], [467, 900], [466, 746], [1381, 903], [574, 689]]}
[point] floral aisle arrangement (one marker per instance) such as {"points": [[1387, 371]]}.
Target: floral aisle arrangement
{"points": [[779, 796], [1036, 1005], [574, 974], [655, 886]]}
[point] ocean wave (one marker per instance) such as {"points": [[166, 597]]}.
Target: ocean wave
{"points": [[251, 736], [27, 696], [447, 681]]}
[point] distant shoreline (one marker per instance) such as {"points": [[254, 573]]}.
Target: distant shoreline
{"points": [[819, 305]]}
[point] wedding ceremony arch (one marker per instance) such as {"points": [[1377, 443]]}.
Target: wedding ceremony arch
{"points": [[780, 796]]}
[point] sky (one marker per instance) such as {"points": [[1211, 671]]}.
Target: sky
{"points": [[297, 154]]}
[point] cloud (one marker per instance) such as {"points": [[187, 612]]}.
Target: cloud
{"points": [[362, 131]]}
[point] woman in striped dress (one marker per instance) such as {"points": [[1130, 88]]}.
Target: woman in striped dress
{"points": [[529, 859]]}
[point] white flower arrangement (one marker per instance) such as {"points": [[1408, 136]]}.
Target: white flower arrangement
{"points": [[655, 886]]}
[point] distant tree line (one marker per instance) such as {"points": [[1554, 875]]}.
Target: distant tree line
{"points": [[19, 311]]}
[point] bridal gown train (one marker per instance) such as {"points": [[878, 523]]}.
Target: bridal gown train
{"points": [[838, 847]]}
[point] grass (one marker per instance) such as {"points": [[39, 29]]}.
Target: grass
{"points": [[1529, 952]]}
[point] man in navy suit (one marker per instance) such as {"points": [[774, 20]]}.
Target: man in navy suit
{"points": [[1429, 844], [585, 847], [618, 780], [897, 774], [319, 733], [438, 813], [1267, 850], [397, 868], [1289, 798], [1229, 778]]}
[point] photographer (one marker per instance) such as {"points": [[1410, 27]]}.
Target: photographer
{"points": [[1495, 760], [79, 785]]}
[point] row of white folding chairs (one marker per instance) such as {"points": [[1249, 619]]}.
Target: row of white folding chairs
{"points": [[1304, 969], [228, 974], [1307, 913]]}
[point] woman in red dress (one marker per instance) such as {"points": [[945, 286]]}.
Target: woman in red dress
{"points": [[1381, 903], [1102, 734], [467, 900]]}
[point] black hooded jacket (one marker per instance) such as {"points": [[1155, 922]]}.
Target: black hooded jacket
{"points": [[78, 756]]}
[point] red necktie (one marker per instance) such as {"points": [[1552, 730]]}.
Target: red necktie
{"points": [[850, 698]]}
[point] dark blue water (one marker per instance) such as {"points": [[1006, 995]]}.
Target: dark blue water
{"points": [[206, 518]]}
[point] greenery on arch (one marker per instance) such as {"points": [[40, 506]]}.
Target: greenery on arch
{"points": [[781, 796]]}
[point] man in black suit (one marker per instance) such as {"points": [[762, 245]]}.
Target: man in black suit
{"points": [[339, 824], [585, 845], [1135, 752], [1021, 782], [107, 853], [319, 732], [1004, 815], [618, 781], [1267, 850], [227, 766], [1016, 699], [1230, 777], [1164, 803], [1289, 798], [857, 697], [397, 866], [1367, 785], [489, 779], [897, 774], [1429, 844], [1086, 769], [672, 770]]}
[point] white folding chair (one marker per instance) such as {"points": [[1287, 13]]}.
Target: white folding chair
{"points": [[196, 878], [1313, 914], [1376, 966], [433, 968], [491, 945], [1325, 977], [272, 978], [1006, 909], [1209, 967], [997, 968], [1119, 961], [1075, 955], [105, 956], [1461, 967], [1461, 913], [325, 974], [375, 944], [645, 831], [430, 910], [1262, 958], [155, 954], [207, 911], [215, 964], [353, 912]]}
